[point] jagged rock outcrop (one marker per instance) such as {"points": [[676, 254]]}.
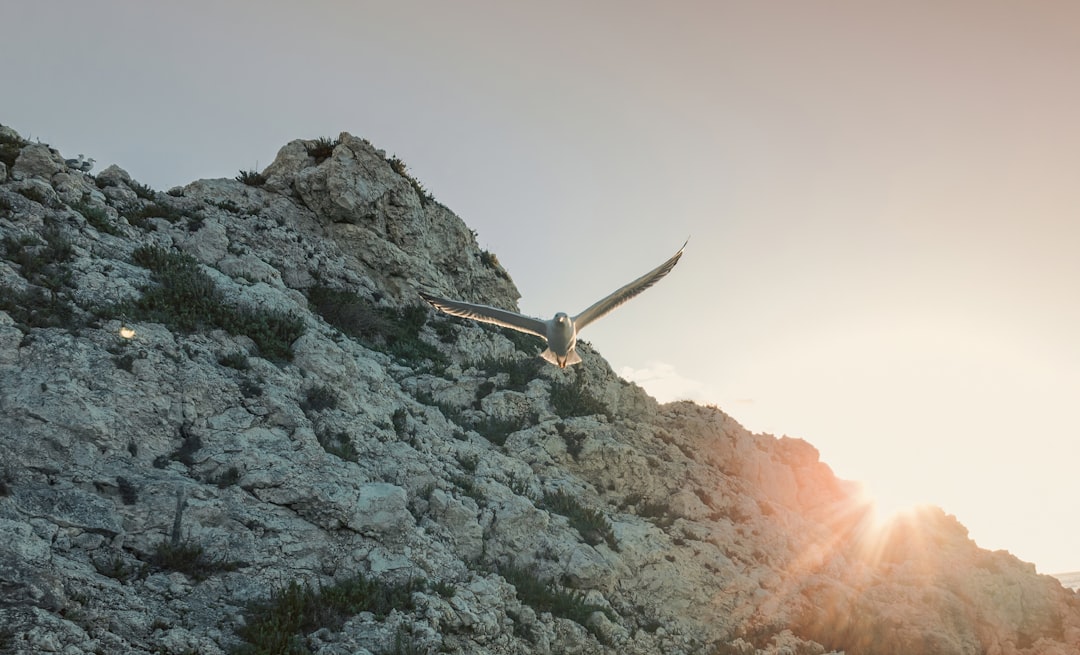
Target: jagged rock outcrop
{"points": [[288, 453]]}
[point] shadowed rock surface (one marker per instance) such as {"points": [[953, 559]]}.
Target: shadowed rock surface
{"points": [[292, 447]]}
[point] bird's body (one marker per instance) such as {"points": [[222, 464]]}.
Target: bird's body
{"points": [[80, 164], [560, 331]]}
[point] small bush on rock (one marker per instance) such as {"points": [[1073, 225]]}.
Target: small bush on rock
{"points": [[189, 558], [339, 445], [97, 217], [251, 178], [156, 210], [395, 332], [573, 399], [591, 524], [276, 625], [318, 398], [186, 298], [546, 597], [10, 145], [322, 149]]}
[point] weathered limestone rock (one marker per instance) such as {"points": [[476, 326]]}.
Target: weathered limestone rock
{"points": [[37, 160], [396, 456]]}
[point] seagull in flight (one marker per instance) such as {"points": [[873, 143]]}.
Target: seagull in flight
{"points": [[561, 331]]}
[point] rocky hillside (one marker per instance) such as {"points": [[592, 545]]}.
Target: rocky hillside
{"points": [[228, 425]]}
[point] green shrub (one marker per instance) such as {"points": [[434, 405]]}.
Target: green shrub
{"points": [[250, 388], [493, 429], [339, 445], [489, 260], [114, 566], [189, 558], [237, 360], [318, 398], [574, 440], [444, 588], [10, 145], [228, 478], [395, 332], [520, 371], [190, 444], [573, 399], [399, 421], [143, 191], [468, 486], [36, 308], [497, 430], [276, 625], [591, 524], [97, 217], [401, 169], [186, 298], [251, 178], [35, 194], [155, 210], [546, 597], [656, 512]]}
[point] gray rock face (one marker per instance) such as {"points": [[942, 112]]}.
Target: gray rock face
{"points": [[191, 423]]}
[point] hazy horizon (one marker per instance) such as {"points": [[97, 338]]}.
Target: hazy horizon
{"points": [[882, 200]]}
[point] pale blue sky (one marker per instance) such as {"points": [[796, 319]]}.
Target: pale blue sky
{"points": [[882, 200]]}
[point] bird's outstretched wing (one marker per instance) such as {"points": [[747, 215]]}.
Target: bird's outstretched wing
{"points": [[486, 314], [627, 292]]}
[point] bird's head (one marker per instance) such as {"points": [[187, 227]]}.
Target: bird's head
{"points": [[561, 318]]}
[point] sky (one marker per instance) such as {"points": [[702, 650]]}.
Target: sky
{"points": [[882, 198]]}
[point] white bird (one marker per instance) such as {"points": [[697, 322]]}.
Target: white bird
{"points": [[74, 163], [561, 331], [87, 165]]}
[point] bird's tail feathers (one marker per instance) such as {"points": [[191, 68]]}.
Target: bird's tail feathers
{"points": [[562, 362]]}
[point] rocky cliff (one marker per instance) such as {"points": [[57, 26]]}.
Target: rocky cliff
{"points": [[228, 426]]}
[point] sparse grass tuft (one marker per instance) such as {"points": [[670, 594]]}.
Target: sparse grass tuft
{"points": [[401, 169]]}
